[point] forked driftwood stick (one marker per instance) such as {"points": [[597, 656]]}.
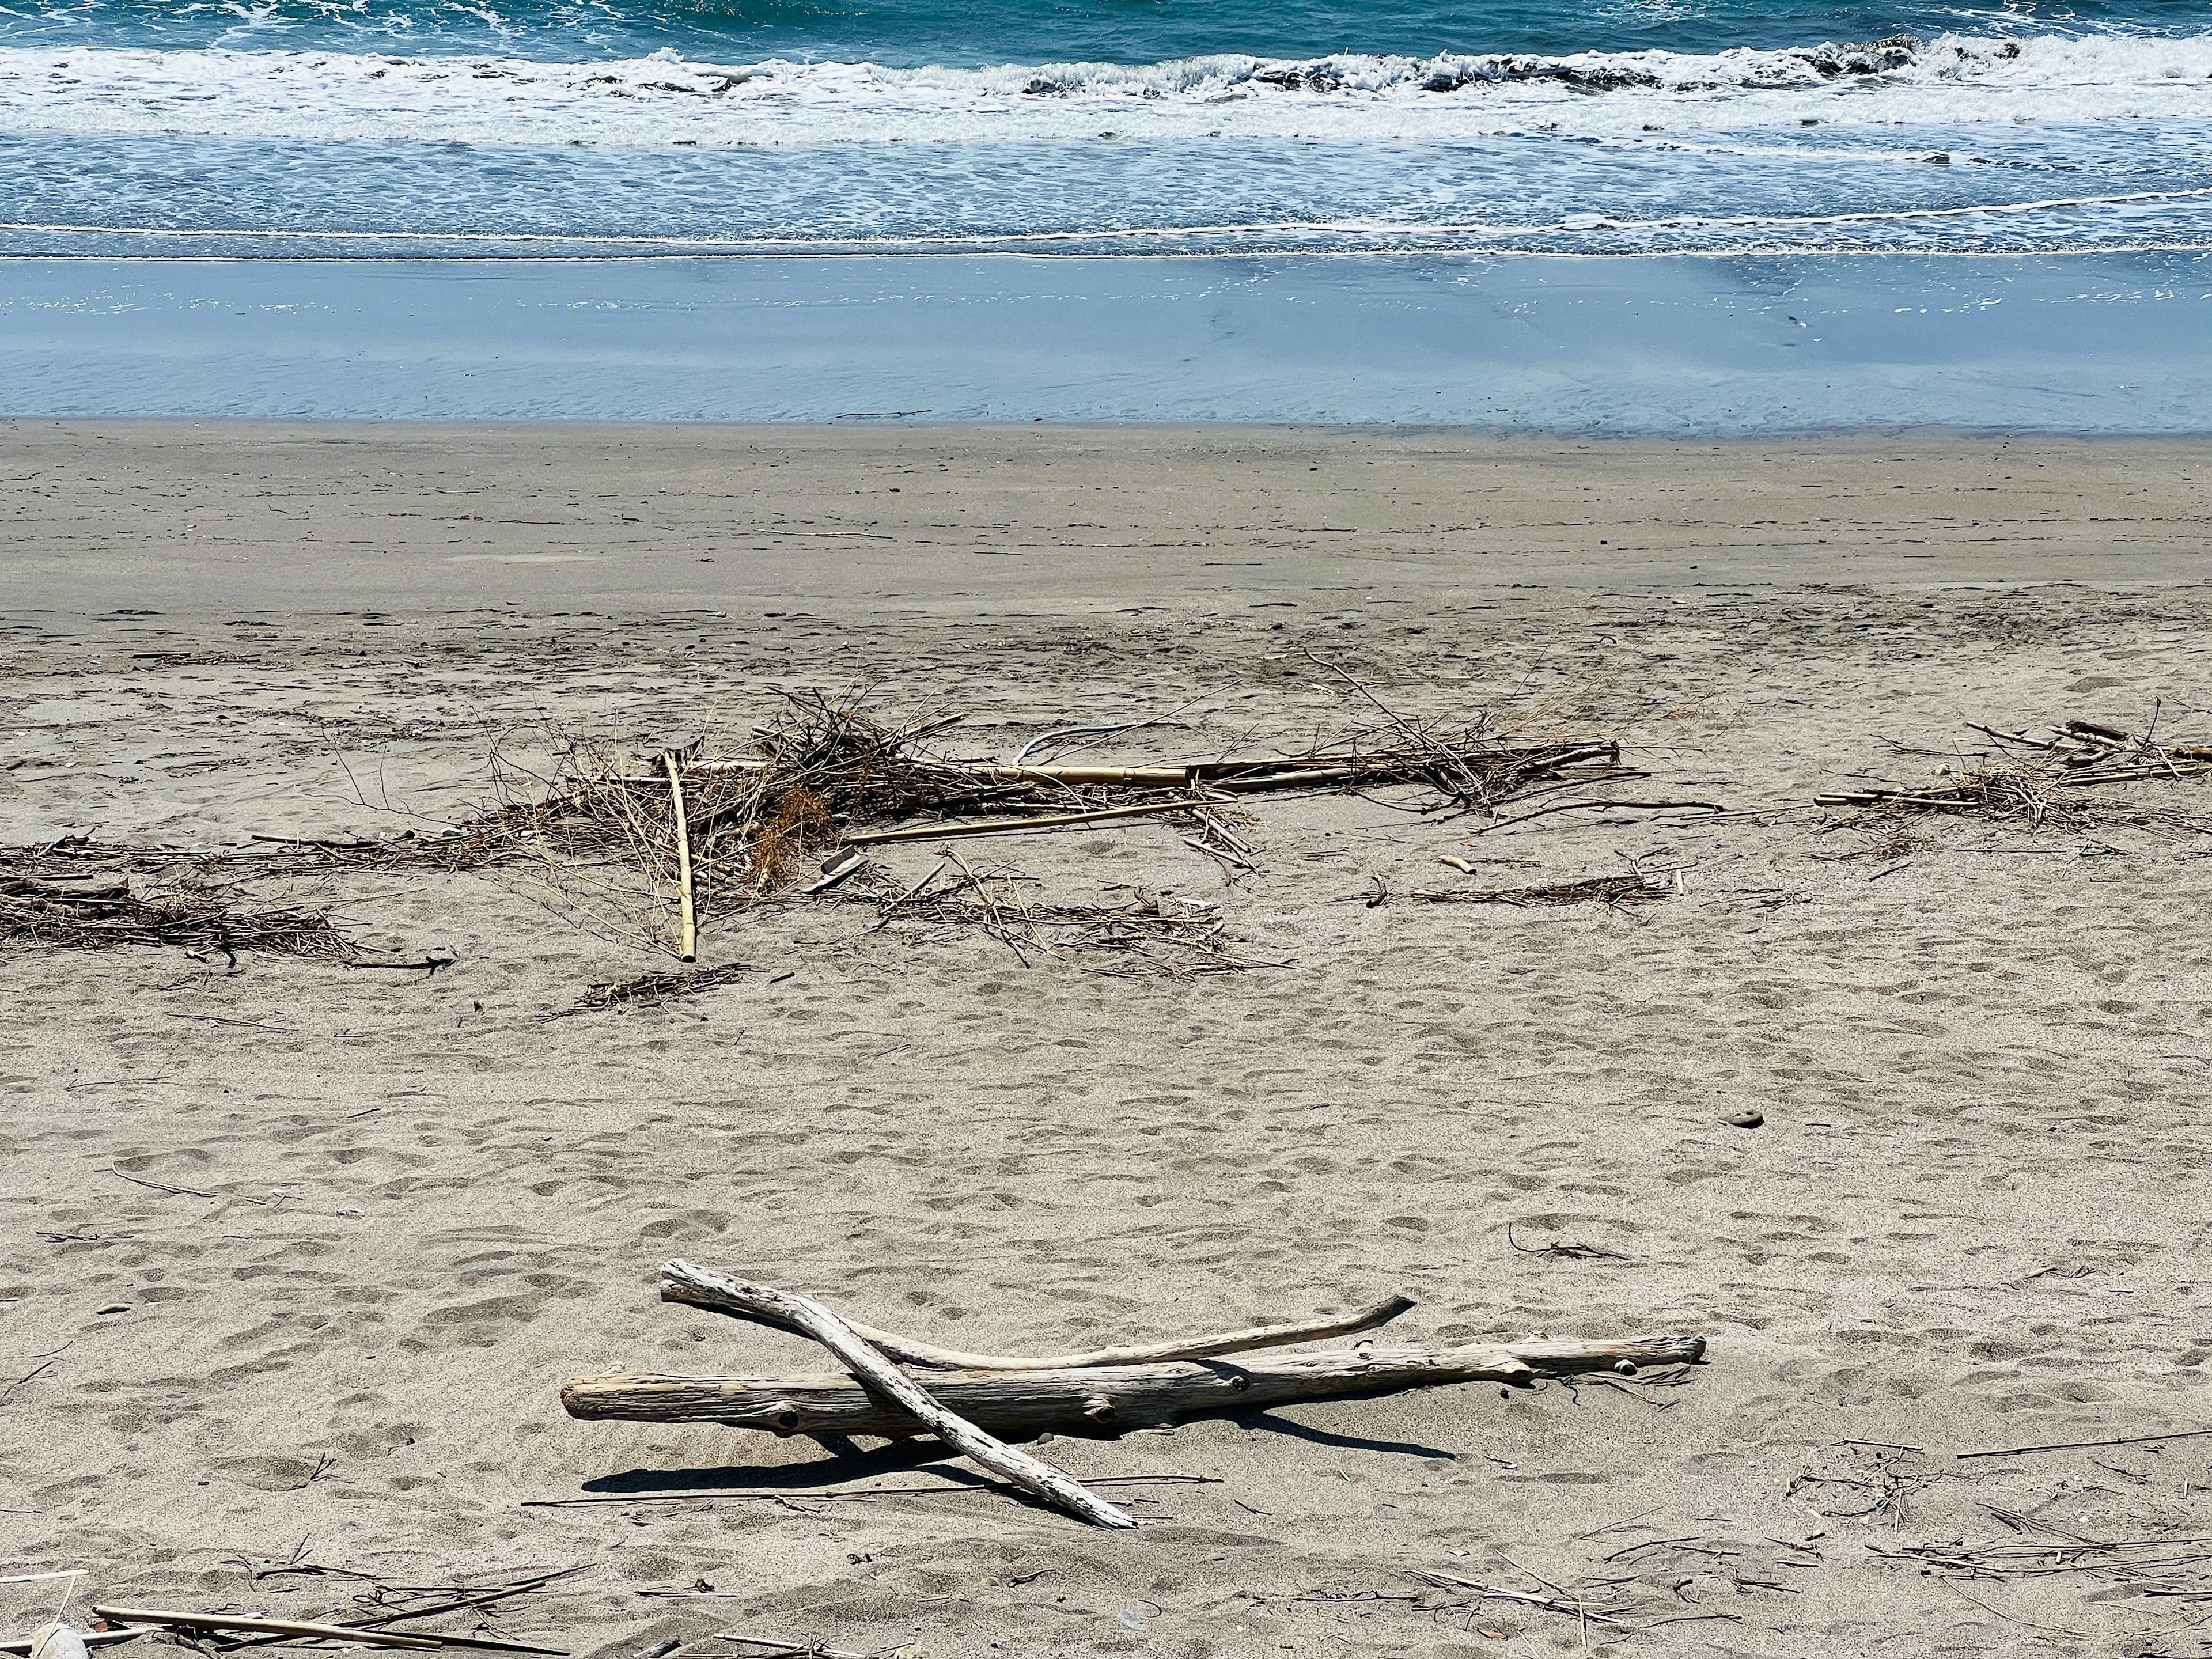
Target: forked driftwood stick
{"points": [[888, 1389], [374, 1638], [1110, 1399], [687, 944], [682, 1282]]}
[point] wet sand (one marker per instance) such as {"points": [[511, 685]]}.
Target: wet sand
{"points": [[299, 1256]]}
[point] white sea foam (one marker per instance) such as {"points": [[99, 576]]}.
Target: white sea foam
{"points": [[1953, 82]]}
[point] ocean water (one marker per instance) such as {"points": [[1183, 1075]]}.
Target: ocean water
{"points": [[491, 129]]}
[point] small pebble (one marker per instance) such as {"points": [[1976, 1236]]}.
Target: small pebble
{"points": [[1744, 1120]]}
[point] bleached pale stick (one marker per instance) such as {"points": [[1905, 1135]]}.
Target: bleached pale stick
{"points": [[681, 1282], [885, 1382]]}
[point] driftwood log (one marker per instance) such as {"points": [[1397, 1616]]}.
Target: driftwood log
{"points": [[1100, 1400]]}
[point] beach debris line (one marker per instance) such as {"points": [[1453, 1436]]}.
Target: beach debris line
{"points": [[829, 777], [651, 854], [1145, 934], [1104, 1393]]}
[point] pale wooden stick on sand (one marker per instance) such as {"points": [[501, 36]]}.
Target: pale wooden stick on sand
{"points": [[681, 1282], [908, 1402]]}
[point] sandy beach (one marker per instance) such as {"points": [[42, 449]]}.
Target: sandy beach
{"points": [[298, 1256]]}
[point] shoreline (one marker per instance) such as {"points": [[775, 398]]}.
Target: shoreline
{"points": [[1656, 345]]}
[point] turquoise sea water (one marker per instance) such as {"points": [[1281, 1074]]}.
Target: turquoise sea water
{"points": [[1386, 164], [487, 128]]}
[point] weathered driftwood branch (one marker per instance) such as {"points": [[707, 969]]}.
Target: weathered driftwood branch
{"points": [[682, 1282], [1100, 1399], [887, 1389]]}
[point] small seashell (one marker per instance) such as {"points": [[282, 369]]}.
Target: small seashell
{"points": [[1750, 1118]]}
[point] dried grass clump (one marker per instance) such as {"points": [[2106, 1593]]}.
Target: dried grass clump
{"points": [[799, 824]]}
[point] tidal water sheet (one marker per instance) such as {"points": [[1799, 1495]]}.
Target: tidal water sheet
{"points": [[413, 130]]}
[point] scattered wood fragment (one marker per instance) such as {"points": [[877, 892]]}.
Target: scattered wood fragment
{"points": [[1557, 1250], [898, 1392], [970, 1407], [1147, 936], [2170, 1563], [682, 1282], [220, 1621]]}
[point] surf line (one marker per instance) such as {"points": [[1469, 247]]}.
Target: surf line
{"points": [[1108, 233]]}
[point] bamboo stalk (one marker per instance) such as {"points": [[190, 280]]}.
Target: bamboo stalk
{"points": [[687, 945], [885, 1382], [681, 1282]]}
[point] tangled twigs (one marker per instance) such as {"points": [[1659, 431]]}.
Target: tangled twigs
{"points": [[2093, 753], [1636, 887], [2037, 787], [649, 990], [2005, 792], [1146, 935], [102, 914], [2171, 1565]]}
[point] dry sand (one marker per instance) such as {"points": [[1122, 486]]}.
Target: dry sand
{"points": [[405, 1211]]}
